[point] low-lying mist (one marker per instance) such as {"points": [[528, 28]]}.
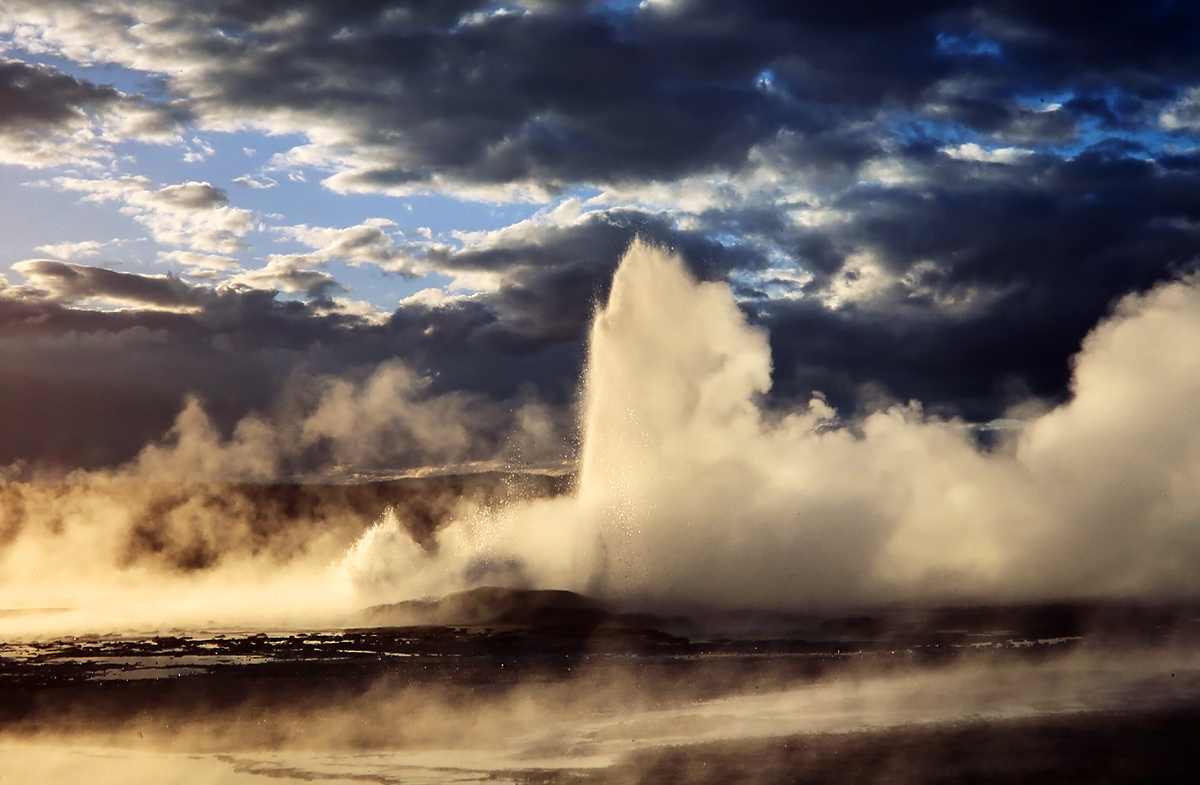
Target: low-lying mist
{"points": [[246, 529], [118, 554], [598, 718], [689, 491]]}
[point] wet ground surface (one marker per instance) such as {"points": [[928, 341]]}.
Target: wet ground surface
{"points": [[556, 636], [1102, 748], [116, 674], [986, 695]]}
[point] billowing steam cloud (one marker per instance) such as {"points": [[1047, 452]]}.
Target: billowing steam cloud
{"points": [[388, 420], [690, 492], [191, 532]]}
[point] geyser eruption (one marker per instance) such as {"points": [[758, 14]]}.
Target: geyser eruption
{"points": [[669, 386], [689, 492]]}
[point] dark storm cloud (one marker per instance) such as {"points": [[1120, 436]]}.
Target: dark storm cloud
{"points": [[1110, 217], [90, 388], [558, 93], [32, 96], [556, 274], [49, 118], [65, 282], [580, 91], [555, 93], [545, 97], [994, 280]]}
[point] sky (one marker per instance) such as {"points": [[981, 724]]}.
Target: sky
{"points": [[391, 223]]}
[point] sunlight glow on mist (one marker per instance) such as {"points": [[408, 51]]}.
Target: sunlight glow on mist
{"points": [[688, 491]]}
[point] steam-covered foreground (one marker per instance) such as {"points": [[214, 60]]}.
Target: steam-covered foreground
{"points": [[537, 687]]}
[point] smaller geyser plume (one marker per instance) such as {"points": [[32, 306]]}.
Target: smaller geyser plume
{"points": [[689, 492], [199, 530]]}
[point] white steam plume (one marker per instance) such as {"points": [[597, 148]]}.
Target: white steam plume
{"points": [[165, 541], [324, 425], [689, 492]]}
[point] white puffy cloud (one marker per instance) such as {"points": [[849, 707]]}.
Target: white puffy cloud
{"points": [[197, 151], [291, 274], [49, 118], [257, 183], [366, 243], [195, 215], [75, 283], [1184, 113], [975, 152], [69, 250], [199, 261]]}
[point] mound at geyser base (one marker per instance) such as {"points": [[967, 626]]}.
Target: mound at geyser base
{"points": [[494, 607]]}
